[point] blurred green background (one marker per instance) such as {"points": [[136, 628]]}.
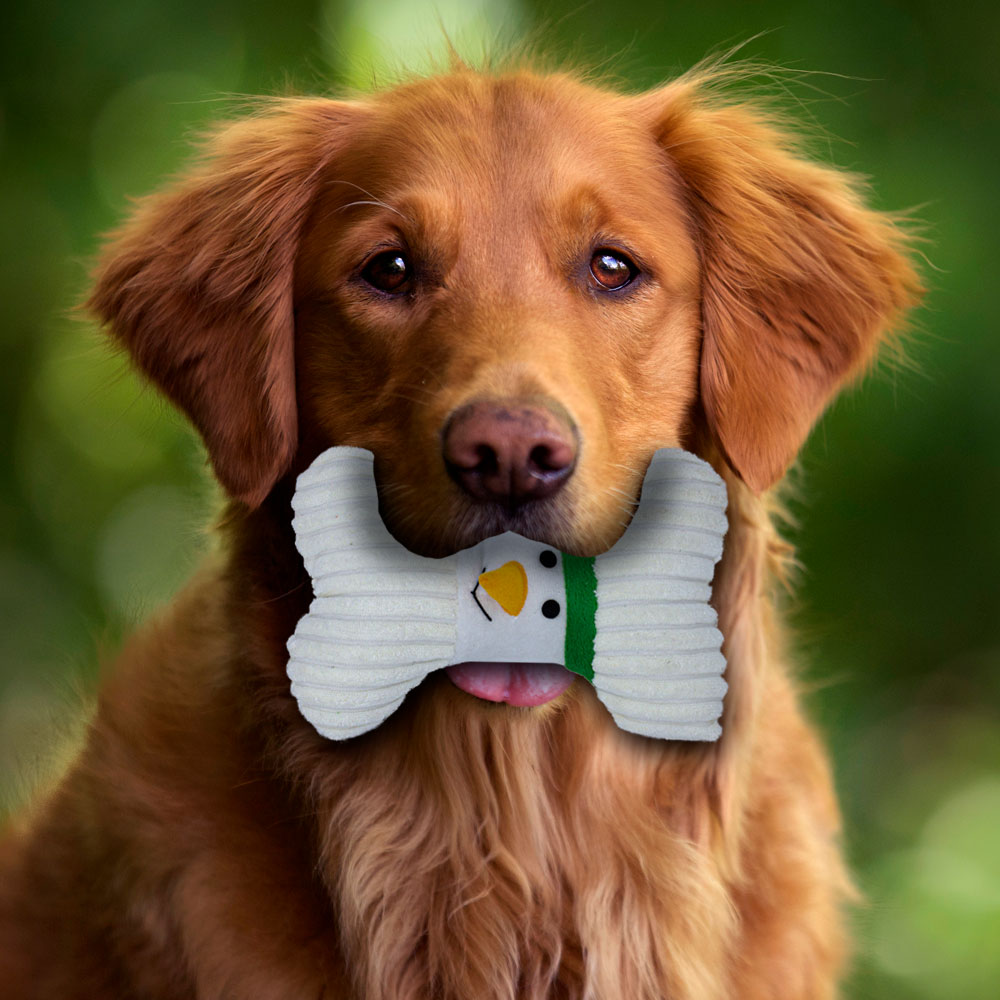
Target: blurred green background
{"points": [[103, 495]]}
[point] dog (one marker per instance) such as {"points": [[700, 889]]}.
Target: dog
{"points": [[512, 287]]}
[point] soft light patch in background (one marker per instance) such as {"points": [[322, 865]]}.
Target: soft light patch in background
{"points": [[372, 44], [937, 923], [141, 134]]}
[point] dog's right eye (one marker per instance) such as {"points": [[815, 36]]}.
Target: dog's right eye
{"points": [[388, 271], [611, 269]]}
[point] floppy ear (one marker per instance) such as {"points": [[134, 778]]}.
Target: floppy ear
{"points": [[197, 285], [800, 280]]}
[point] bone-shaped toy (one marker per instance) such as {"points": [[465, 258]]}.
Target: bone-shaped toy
{"points": [[634, 621]]}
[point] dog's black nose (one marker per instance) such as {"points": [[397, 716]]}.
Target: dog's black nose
{"points": [[509, 452]]}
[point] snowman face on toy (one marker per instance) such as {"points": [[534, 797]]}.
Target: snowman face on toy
{"points": [[511, 602]]}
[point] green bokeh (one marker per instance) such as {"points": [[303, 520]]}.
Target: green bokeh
{"points": [[102, 490]]}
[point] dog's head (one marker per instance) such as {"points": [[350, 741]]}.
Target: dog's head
{"points": [[512, 289]]}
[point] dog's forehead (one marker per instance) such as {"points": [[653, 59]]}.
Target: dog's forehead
{"points": [[517, 133]]}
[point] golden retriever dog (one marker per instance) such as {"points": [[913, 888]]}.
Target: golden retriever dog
{"points": [[513, 287]]}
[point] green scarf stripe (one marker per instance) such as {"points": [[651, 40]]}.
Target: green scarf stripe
{"points": [[581, 614]]}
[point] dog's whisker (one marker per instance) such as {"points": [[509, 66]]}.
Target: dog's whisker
{"points": [[372, 199], [410, 397], [365, 201]]}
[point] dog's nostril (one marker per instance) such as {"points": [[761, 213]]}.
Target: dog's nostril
{"points": [[488, 462], [551, 458], [509, 452]]}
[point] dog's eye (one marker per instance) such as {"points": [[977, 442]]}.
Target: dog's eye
{"points": [[611, 269], [388, 271]]}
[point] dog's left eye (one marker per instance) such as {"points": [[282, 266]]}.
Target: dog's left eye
{"points": [[388, 271], [611, 269]]}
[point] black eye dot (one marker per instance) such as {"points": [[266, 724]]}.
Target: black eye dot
{"points": [[547, 559], [551, 609]]}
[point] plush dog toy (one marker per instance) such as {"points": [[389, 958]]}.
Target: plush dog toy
{"points": [[634, 621]]}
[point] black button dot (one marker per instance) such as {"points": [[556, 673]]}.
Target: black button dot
{"points": [[550, 609], [548, 560]]}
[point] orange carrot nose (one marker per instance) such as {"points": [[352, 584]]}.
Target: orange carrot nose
{"points": [[508, 586]]}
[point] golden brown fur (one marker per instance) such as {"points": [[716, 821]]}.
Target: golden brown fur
{"points": [[208, 842]]}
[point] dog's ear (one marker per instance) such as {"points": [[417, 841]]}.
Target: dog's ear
{"points": [[197, 285], [799, 280]]}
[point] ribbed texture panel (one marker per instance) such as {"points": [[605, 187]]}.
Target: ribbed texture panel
{"points": [[657, 657], [382, 618]]}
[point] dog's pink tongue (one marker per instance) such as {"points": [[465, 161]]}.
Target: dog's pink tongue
{"points": [[514, 683]]}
